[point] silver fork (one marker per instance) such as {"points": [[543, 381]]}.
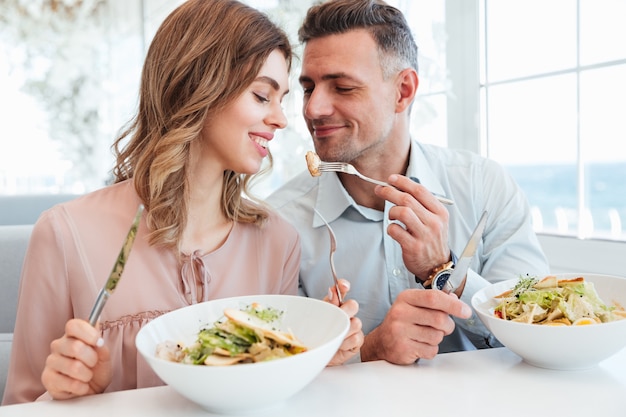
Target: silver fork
{"points": [[350, 169], [333, 248]]}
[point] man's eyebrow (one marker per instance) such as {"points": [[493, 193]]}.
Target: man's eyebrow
{"points": [[326, 77]]}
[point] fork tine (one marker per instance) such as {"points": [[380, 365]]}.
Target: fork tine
{"points": [[350, 169], [330, 165]]}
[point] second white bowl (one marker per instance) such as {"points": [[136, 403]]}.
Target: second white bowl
{"points": [[558, 347]]}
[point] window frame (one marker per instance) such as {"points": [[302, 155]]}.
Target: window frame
{"points": [[565, 253]]}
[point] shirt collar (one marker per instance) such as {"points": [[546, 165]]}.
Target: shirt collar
{"points": [[333, 199], [419, 170]]}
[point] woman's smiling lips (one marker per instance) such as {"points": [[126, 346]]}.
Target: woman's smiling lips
{"points": [[261, 141]]}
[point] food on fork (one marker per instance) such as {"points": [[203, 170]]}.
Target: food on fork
{"points": [[244, 336], [313, 163], [555, 302]]}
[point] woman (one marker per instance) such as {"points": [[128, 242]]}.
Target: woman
{"points": [[210, 102]]}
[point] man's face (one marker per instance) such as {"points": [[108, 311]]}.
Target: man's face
{"points": [[348, 107]]}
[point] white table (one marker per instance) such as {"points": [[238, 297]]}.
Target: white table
{"points": [[492, 382]]}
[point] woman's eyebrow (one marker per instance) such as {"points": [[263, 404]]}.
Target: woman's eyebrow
{"points": [[272, 83], [269, 80]]}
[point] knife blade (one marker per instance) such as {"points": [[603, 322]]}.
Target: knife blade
{"points": [[116, 272], [459, 273]]}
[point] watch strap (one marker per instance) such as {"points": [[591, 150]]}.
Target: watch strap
{"points": [[448, 265], [436, 271]]}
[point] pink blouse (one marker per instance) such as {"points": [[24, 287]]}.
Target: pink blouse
{"points": [[70, 255]]}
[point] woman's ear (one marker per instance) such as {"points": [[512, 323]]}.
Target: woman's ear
{"points": [[407, 83]]}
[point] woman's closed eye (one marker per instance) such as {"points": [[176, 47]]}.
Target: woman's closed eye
{"points": [[261, 98]]}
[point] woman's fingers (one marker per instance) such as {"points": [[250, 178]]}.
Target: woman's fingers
{"points": [[344, 287], [78, 363]]}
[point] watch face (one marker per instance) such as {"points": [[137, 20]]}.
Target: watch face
{"points": [[440, 280]]}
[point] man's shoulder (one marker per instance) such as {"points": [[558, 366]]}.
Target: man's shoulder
{"points": [[443, 153], [452, 157]]}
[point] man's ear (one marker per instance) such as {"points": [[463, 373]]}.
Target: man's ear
{"points": [[407, 83]]}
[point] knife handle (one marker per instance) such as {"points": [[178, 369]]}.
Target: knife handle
{"points": [[103, 296]]}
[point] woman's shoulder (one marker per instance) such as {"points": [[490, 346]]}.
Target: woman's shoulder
{"points": [[274, 226], [274, 233], [111, 198], [95, 210], [279, 223]]}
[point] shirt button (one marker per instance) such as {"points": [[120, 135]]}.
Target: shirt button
{"points": [[470, 322], [396, 272]]}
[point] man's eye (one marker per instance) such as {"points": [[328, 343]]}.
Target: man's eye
{"points": [[261, 98], [344, 89], [307, 90]]}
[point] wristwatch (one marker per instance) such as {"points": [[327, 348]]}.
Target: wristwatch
{"points": [[440, 274]]}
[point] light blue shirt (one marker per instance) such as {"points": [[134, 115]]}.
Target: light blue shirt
{"points": [[372, 261]]}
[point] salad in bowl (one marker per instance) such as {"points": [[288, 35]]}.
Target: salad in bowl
{"points": [[555, 302], [566, 321]]}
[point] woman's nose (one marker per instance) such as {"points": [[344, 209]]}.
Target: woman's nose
{"points": [[277, 117]]}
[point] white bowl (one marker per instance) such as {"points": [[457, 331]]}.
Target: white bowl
{"points": [[558, 347], [246, 388]]}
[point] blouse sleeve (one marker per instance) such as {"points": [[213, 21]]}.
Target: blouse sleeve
{"points": [[292, 267], [287, 238], [43, 309]]}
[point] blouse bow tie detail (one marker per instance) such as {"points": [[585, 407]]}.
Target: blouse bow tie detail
{"points": [[195, 278]]}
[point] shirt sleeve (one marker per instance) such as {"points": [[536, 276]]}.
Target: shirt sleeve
{"points": [[510, 247]]}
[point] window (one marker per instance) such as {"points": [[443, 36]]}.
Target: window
{"points": [[553, 102], [535, 85], [69, 73], [68, 76]]}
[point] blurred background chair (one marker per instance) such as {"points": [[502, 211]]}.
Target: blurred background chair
{"points": [[25, 209], [13, 243]]}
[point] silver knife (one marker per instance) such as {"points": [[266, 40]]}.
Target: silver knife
{"points": [[116, 272], [451, 282]]}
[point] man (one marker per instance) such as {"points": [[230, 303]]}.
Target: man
{"points": [[359, 75]]}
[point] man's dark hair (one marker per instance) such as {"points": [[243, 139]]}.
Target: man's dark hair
{"points": [[386, 24]]}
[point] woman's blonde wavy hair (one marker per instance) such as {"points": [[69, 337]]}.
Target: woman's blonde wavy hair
{"points": [[203, 56]]}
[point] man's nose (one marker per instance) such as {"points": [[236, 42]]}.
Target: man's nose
{"points": [[317, 105]]}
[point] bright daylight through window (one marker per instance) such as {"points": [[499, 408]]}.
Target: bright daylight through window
{"points": [[553, 105], [536, 85]]}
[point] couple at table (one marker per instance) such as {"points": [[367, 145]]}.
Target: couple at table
{"points": [[211, 90]]}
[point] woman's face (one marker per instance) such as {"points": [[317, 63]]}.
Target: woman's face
{"points": [[239, 137]]}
